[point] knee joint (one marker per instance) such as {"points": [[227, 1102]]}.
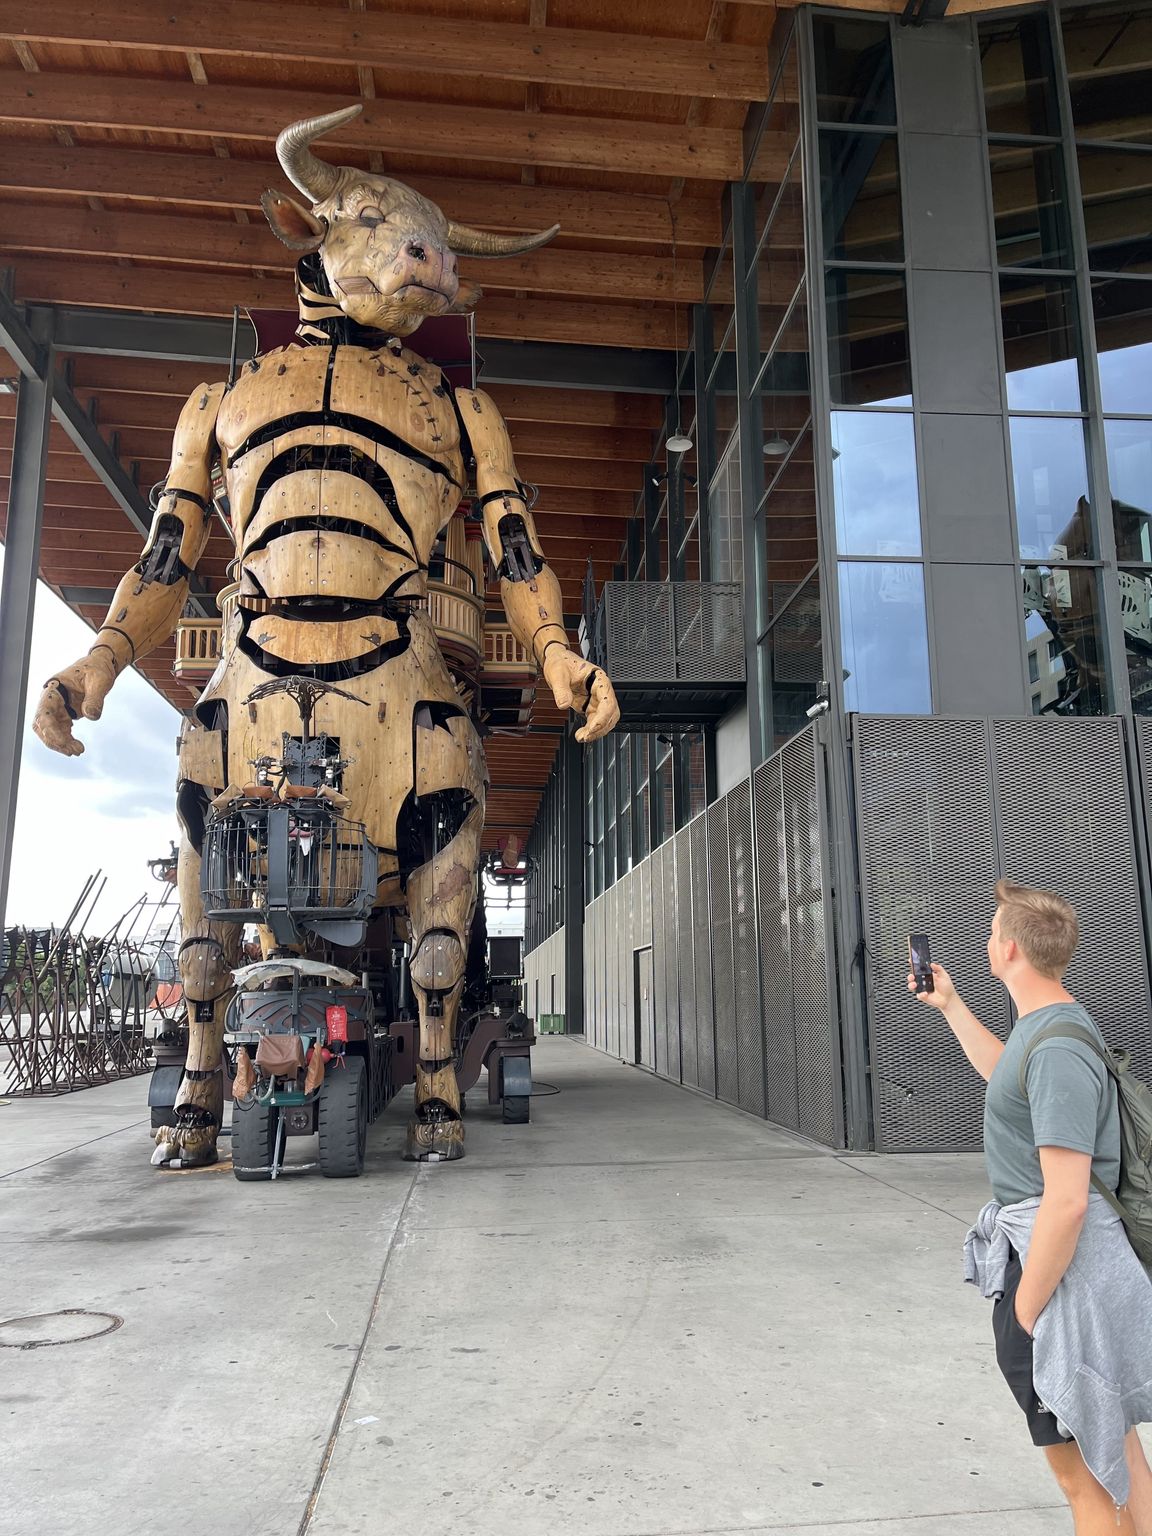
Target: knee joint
{"points": [[204, 969], [439, 962]]}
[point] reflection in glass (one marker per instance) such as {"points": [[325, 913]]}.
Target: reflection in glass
{"points": [[1041, 348], [1136, 616], [1062, 630], [1030, 202], [1130, 479], [1123, 315], [780, 217], [785, 333], [860, 197], [874, 481], [1050, 474], [867, 338], [795, 660], [884, 638], [853, 71], [1109, 54], [1016, 58], [1116, 186]]}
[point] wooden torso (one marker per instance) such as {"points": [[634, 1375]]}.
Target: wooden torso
{"points": [[348, 508]]}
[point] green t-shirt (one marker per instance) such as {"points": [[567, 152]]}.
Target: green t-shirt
{"points": [[1071, 1102]]}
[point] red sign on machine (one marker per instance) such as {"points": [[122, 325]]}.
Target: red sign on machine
{"points": [[336, 1017]]}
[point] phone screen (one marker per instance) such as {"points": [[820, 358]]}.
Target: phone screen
{"points": [[921, 961]]}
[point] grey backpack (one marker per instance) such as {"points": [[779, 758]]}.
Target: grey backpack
{"points": [[1133, 1199]]}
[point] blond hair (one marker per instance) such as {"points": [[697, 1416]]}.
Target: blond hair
{"points": [[1044, 925]]}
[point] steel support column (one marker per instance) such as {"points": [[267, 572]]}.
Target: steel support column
{"points": [[572, 875], [18, 590]]}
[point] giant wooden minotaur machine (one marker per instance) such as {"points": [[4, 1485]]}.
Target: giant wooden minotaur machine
{"points": [[331, 775]]}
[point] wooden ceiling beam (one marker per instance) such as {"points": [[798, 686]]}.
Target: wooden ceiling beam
{"points": [[146, 176], [173, 290], [373, 40], [433, 130], [56, 230], [156, 380]]}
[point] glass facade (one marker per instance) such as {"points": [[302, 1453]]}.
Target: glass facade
{"points": [[807, 389]]}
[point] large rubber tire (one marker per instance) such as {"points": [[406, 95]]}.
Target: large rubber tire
{"points": [[343, 1119], [253, 1141], [516, 1089]]}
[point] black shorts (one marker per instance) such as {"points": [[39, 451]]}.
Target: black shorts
{"points": [[1014, 1357]]}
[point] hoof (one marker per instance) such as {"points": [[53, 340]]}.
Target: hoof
{"points": [[189, 1146], [437, 1141]]}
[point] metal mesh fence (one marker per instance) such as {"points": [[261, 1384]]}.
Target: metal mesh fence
{"points": [[723, 986], [684, 631], [686, 951], [745, 963], [944, 808], [702, 955]]}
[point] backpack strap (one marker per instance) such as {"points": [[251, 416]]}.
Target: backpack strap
{"points": [[1073, 1031]]}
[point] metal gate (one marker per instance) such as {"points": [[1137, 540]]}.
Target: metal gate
{"points": [[944, 809]]}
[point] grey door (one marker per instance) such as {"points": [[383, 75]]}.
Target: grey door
{"points": [[645, 1010]]}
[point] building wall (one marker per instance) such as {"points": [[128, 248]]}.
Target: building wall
{"points": [[544, 977]]}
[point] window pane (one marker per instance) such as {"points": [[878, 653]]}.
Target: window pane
{"points": [[1130, 479], [1116, 185], [874, 480], [1136, 609], [780, 258], [1109, 55], [795, 661], [1041, 347], [694, 768], [725, 517], [885, 639], [1016, 57], [1030, 201], [1060, 606], [1123, 315], [868, 339], [853, 71], [860, 197], [1050, 474]]}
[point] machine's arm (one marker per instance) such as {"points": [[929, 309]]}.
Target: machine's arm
{"points": [[151, 596], [531, 593]]}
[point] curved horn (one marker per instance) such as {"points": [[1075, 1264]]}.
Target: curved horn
{"points": [[478, 242], [313, 176]]}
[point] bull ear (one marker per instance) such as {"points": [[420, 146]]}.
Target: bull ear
{"points": [[467, 299], [297, 227]]}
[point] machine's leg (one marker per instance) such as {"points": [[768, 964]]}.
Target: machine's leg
{"points": [[207, 957], [441, 900]]}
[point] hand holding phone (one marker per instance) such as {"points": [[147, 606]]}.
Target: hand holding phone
{"points": [[920, 962]]}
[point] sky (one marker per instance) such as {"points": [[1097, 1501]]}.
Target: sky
{"points": [[113, 808]]}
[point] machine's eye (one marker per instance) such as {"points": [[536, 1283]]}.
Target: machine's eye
{"points": [[371, 216]]}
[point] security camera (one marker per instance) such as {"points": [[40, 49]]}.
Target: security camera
{"points": [[821, 707]]}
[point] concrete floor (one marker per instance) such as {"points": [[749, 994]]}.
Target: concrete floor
{"points": [[643, 1314]]}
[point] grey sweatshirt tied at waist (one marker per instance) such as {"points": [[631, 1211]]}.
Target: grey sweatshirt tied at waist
{"points": [[1092, 1352]]}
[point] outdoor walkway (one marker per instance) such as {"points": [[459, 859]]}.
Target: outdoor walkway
{"points": [[642, 1314]]}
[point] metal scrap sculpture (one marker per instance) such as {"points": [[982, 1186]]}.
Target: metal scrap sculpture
{"points": [[344, 457]]}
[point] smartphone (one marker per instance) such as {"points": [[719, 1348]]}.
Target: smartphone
{"points": [[921, 962]]}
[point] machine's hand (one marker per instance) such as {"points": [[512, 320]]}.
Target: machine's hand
{"points": [[577, 684], [80, 690]]}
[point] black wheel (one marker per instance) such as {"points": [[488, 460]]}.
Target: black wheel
{"points": [[253, 1141], [516, 1089], [343, 1117]]}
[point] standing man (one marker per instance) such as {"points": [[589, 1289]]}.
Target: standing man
{"points": [[1073, 1311]]}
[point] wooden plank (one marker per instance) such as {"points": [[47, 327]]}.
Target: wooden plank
{"points": [[57, 230], [147, 175], [386, 42], [412, 127], [55, 280]]}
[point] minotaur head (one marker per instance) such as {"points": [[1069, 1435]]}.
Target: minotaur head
{"points": [[389, 254]]}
